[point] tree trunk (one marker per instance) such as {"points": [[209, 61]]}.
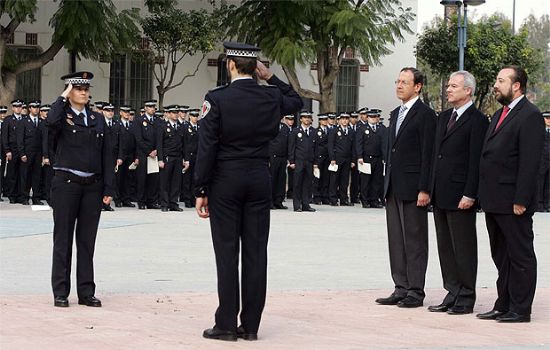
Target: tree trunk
{"points": [[7, 90], [161, 91]]}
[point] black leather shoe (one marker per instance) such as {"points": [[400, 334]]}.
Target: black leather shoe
{"points": [[176, 208], [280, 206], [90, 300], [410, 302], [391, 300], [346, 204], [142, 206], [118, 204], [512, 317], [128, 204], [333, 204], [241, 333], [218, 334], [490, 315], [153, 206], [37, 202], [25, 202], [310, 209], [376, 205], [439, 308], [164, 209], [61, 302], [365, 205], [460, 310], [298, 210]]}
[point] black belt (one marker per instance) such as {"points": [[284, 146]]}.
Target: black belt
{"points": [[82, 180]]}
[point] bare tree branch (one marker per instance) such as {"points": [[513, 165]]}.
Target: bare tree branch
{"points": [[40, 60], [293, 79], [188, 75]]}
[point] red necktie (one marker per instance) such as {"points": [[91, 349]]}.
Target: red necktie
{"points": [[503, 115]]}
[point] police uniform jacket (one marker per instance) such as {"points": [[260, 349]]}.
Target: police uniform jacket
{"points": [[9, 135], [191, 141], [369, 143], [112, 136], [126, 141], [340, 145], [321, 144], [301, 146], [169, 142], [79, 146], [278, 147], [29, 137], [145, 135]]}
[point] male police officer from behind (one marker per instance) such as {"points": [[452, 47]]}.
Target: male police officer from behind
{"points": [[233, 186], [83, 181]]}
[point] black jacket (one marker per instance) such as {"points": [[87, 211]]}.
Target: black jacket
{"points": [[169, 141], [29, 137], [278, 146], [145, 135], [321, 144], [340, 145], [126, 141], [191, 141], [301, 147], [9, 135]]}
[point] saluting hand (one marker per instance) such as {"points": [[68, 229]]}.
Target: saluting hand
{"points": [[201, 204], [262, 71], [65, 93]]}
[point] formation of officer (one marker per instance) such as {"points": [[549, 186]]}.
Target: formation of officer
{"points": [[341, 152]]}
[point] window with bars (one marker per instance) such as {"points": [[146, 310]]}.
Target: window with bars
{"points": [[130, 82], [347, 86], [29, 83]]}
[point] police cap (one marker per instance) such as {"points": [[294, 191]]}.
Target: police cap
{"points": [[34, 103], [78, 78], [17, 103], [194, 112], [236, 49]]}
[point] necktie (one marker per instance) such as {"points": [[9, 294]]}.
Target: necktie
{"points": [[452, 121], [374, 128], [81, 115], [36, 122], [307, 131], [400, 118], [345, 131], [110, 123], [503, 115]]}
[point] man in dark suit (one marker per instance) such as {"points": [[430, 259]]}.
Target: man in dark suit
{"points": [[321, 162], [341, 152], [544, 172], [406, 189], [458, 140], [301, 154], [232, 183], [510, 161], [278, 153]]}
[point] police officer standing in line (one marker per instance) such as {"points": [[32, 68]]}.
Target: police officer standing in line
{"points": [[83, 180], [370, 145], [29, 141], [126, 157], [191, 141], [3, 111], [145, 135], [321, 162], [301, 154], [9, 141], [355, 186], [111, 136], [48, 154], [170, 154], [331, 120], [233, 187], [290, 172], [341, 153], [278, 152]]}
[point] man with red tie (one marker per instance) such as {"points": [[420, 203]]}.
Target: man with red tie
{"points": [[510, 161]]}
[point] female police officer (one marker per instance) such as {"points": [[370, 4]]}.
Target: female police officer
{"points": [[83, 179]]}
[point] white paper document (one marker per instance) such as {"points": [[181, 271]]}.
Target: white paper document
{"points": [[333, 167], [317, 173], [132, 166], [364, 168], [152, 165]]}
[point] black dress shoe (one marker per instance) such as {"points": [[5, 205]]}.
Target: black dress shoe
{"points": [[376, 205], [460, 310], [310, 209], [298, 210], [61, 302], [391, 300], [164, 209], [107, 207], [218, 334], [128, 204], [280, 206], [410, 302], [142, 206], [346, 204], [153, 206], [176, 208], [243, 334], [490, 315], [118, 204], [366, 205], [333, 204], [25, 202], [12, 201], [37, 202], [512, 317], [90, 300], [439, 308]]}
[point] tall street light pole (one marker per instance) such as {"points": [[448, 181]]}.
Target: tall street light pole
{"points": [[462, 26]]}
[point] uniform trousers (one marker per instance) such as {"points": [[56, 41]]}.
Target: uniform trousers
{"points": [[147, 184], [543, 186], [372, 183], [277, 168], [303, 180], [355, 185], [123, 180], [80, 204], [13, 178], [408, 246], [457, 249], [170, 182], [30, 172], [512, 250], [339, 182], [239, 203], [320, 185]]}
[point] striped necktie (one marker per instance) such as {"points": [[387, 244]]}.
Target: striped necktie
{"points": [[400, 118]]}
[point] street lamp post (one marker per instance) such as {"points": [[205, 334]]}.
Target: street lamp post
{"points": [[462, 26]]}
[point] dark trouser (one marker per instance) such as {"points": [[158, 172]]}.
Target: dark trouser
{"points": [[188, 183], [408, 246], [239, 202], [290, 187], [73, 203], [457, 249], [123, 181], [371, 184], [170, 182], [511, 239], [544, 190], [320, 185], [339, 182], [147, 184], [30, 176], [2, 180], [303, 180], [277, 168], [13, 178], [355, 185], [47, 176]]}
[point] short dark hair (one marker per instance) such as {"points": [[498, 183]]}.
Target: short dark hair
{"points": [[418, 75], [520, 76], [244, 65]]}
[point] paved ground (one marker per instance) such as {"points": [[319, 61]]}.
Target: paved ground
{"points": [[155, 274]]}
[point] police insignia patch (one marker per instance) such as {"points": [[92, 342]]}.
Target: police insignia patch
{"points": [[167, 129], [70, 122], [320, 133], [339, 133], [366, 132], [92, 116], [205, 108], [144, 123], [299, 134]]}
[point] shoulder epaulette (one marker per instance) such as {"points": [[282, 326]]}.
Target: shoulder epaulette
{"points": [[219, 88]]}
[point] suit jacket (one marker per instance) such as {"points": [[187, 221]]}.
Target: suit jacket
{"points": [[455, 169], [510, 160], [341, 146], [301, 147], [9, 135], [145, 134], [410, 152], [29, 137], [191, 141]]}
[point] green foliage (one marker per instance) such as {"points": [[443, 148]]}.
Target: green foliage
{"points": [[19, 10]]}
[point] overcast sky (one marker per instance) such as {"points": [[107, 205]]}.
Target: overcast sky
{"points": [[427, 9]]}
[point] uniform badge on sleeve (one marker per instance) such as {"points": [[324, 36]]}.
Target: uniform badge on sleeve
{"points": [[205, 108], [92, 116]]}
